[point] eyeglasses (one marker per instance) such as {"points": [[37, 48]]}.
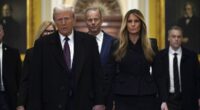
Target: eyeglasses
{"points": [[49, 31]]}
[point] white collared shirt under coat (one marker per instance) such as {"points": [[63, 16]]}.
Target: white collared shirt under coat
{"points": [[71, 44], [171, 73]]}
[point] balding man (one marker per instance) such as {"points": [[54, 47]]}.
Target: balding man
{"points": [[66, 69]]}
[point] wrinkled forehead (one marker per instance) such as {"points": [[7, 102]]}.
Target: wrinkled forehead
{"points": [[175, 32]]}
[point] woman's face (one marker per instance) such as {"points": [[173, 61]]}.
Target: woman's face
{"points": [[133, 24], [48, 30]]}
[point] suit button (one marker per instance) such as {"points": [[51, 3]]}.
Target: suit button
{"points": [[60, 106], [62, 88], [70, 93]]}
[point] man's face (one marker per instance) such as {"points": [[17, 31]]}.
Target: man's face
{"points": [[93, 21], [188, 9], [6, 11], [64, 21], [175, 38], [1, 33]]}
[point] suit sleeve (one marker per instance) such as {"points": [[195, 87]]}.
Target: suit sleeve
{"points": [[35, 88], [160, 78], [197, 74], [112, 65], [23, 89], [98, 75], [18, 68]]}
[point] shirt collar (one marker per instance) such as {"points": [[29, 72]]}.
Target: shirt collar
{"points": [[178, 51], [1, 44], [99, 36], [62, 37]]}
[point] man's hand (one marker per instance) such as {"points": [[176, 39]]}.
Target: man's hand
{"points": [[164, 106], [199, 103], [99, 107], [20, 108]]}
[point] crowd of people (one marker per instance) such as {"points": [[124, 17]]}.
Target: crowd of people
{"points": [[71, 70]]}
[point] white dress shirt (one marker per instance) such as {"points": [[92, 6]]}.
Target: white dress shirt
{"points": [[171, 72], [99, 39], [71, 44], [1, 57]]}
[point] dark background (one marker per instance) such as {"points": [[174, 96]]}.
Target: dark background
{"points": [[19, 15], [174, 9]]}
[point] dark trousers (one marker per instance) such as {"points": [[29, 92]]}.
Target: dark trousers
{"points": [[131, 102], [3, 101], [174, 101]]}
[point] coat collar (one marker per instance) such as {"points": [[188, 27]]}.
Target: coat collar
{"points": [[78, 58]]}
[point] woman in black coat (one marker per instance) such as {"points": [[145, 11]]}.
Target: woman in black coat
{"points": [[133, 84]]}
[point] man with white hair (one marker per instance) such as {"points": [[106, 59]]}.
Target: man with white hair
{"points": [[66, 69]]}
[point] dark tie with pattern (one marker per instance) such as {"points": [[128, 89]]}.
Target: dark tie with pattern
{"points": [[176, 74], [67, 53]]}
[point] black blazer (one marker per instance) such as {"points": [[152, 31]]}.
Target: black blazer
{"points": [[11, 73], [24, 82], [106, 48], [105, 55], [49, 82], [131, 75], [190, 77]]}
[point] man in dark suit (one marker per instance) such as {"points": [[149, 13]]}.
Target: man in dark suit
{"points": [[13, 33], [10, 69], [190, 23], [94, 20], [66, 70], [177, 74], [46, 28]]}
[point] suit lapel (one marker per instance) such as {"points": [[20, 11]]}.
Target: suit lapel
{"points": [[104, 49], [183, 64], [106, 45], [57, 50], [184, 57], [166, 63], [4, 58]]}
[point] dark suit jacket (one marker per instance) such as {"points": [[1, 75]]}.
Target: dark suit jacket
{"points": [[50, 78], [11, 73], [190, 77], [132, 74], [106, 47], [105, 54], [24, 83]]}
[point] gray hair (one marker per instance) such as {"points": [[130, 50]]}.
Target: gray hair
{"points": [[94, 9], [63, 8], [175, 28]]}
